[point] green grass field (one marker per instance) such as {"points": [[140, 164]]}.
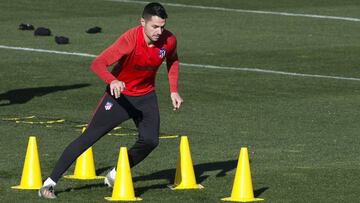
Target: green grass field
{"points": [[301, 132]]}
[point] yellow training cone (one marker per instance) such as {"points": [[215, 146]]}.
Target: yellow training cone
{"points": [[123, 186], [84, 166], [31, 174], [184, 176], [242, 190]]}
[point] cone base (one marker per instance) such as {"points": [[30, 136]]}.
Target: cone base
{"points": [[19, 187], [180, 187], [231, 199], [123, 199], [83, 178]]}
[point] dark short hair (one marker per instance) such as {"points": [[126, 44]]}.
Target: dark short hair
{"points": [[154, 9]]}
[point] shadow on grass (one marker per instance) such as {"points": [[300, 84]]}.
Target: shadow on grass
{"points": [[169, 174], [200, 169], [103, 169], [223, 167], [87, 187], [259, 191], [21, 96]]}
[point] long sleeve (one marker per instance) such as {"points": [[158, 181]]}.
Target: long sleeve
{"points": [[122, 46], [172, 63]]}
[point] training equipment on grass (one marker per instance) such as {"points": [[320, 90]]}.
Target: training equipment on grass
{"points": [[31, 174], [184, 176], [123, 186], [242, 190], [85, 166], [42, 31], [94, 30], [26, 26], [62, 40]]}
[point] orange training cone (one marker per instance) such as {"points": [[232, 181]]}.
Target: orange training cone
{"points": [[242, 190], [123, 186], [84, 166], [184, 176], [31, 174]]}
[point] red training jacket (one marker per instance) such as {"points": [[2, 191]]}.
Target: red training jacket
{"points": [[138, 63]]}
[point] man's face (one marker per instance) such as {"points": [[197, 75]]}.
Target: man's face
{"points": [[153, 28]]}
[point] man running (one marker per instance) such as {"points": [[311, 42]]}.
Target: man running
{"points": [[130, 93]]}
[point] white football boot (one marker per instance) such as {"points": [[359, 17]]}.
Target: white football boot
{"points": [[110, 178], [47, 192]]}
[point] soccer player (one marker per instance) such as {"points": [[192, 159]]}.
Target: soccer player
{"points": [[130, 93]]}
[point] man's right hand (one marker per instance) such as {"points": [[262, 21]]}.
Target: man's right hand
{"points": [[116, 87]]}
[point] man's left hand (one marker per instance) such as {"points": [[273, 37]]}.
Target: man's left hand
{"points": [[176, 100]]}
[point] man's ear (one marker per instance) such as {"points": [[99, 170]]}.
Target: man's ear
{"points": [[142, 21]]}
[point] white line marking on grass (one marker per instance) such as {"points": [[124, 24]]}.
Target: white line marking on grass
{"points": [[201, 66], [247, 11], [47, 51], [268, 71]]}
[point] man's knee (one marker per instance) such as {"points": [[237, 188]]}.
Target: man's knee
{"points": [[151, 143]]}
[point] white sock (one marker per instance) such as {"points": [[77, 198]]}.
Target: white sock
{"points": [[48, 182], [113, 173]]}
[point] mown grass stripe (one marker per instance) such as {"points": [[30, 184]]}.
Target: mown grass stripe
{"points": [[203, 66]]}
